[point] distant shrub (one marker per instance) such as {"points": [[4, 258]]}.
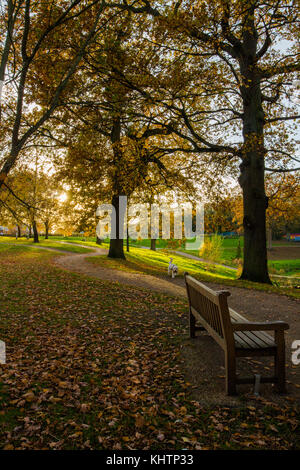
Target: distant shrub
{"points": [[173, 244], [212, 248], [239, 269]]}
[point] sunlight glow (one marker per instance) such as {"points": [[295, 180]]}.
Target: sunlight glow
{"points": [[62, 197]]}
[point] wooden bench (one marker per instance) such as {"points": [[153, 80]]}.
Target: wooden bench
{"points": [[235, 334]]}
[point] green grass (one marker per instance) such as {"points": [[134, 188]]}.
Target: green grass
{"points": [[229, 251], [45, 243], [156, 263], [97, 365], [289, 267], [284, 267], [229, 254]]}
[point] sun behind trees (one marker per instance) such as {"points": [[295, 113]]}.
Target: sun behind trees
{"points": [[31, 202]]}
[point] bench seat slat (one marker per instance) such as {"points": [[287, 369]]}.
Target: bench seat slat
{"points": [[261, 340], [252, 341], [246, 341], [267, 339]]}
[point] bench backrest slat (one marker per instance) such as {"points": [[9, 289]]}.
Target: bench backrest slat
{"points": [[212, 307]]}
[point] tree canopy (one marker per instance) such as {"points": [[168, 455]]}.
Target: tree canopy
{"points": [[131, 95]]}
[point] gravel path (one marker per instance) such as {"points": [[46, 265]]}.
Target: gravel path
{"points": [[77, 263]]}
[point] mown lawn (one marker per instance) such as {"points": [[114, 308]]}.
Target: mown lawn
{"points": [[45, 243], [287, 267], [156, 263], [94, 365]]}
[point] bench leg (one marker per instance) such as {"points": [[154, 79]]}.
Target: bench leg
{"points": [[192, 325], [280, 362], [230, 368]]}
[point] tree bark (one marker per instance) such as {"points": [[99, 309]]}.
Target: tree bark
{"points": [[116, 249], [7, 46], [252, 180], [19, 231], [35, 232], [153, 244], [127, 240], [255, 266]]}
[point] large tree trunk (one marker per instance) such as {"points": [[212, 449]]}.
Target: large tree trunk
{"points": [[19, 231], [116, 249], [98, 240], [35, 232], [153, 244], [252, 182], [255, 266]]}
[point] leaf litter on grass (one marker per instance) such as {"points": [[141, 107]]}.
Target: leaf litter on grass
{"points": [[94, 365]]}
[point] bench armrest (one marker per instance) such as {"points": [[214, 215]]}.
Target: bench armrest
{"points": [[260, 326]]}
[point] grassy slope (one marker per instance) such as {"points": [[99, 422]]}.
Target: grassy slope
{"points": [[285, 267], [96, 365], [156, 263], [139, 260], [45, 243]]}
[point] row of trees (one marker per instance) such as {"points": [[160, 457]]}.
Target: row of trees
{"points": [[36, 202], [33, 202], [139, 96]]}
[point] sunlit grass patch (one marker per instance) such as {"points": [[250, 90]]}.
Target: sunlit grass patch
{"points": [[156, 263]]}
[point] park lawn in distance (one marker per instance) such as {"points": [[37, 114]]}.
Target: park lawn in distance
{"points": [[288, 267], [45, 243], [97, 365]]}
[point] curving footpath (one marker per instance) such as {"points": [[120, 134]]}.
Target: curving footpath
{"points": [[77, 263]]}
